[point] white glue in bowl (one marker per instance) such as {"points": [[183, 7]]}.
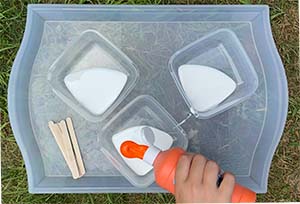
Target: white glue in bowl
{"points": [[220, 50], [92, 50], [142, 111]]}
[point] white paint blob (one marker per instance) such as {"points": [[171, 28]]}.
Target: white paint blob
{"points": [[205, 87], [162, 140], [96, 88]]}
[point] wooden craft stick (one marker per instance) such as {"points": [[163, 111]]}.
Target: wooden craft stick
{"points": [[70, 156], [75, 147], [58, 136], [65, 137], [56, 132]]}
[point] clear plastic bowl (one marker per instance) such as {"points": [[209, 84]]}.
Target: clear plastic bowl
{"points": [[222, 50], [90, 50], [144, 110]]}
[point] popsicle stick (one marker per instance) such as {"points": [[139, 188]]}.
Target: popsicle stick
{"points": [[56, 132], [70, 156], [75, 146]]}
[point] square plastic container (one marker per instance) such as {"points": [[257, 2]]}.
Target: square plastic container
{"points": [[221, 50], [90, 50], [144, 110]]}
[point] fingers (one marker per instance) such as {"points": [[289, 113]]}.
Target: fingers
{"points": [[211, 174], [228, 183], [183, 168], [196, 181], [197, 168]]}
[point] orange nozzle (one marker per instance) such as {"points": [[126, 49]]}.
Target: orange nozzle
{"points": [[131, 149]]}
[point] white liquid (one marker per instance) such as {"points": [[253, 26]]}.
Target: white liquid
{"points": [[96, 88], [162, 141], [205, 87]]}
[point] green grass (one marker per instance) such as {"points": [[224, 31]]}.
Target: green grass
{"points": [[284, 179]]}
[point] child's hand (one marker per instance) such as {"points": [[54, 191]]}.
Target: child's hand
{"points": [[196, 181]]}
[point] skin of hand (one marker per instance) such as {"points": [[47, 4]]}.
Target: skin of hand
{"points": [[196, 181]]}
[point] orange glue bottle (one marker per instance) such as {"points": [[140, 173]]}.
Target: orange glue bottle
{"points": [[165, 163]]}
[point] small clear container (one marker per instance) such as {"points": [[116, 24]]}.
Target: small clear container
{"points": [[221, 50], [90, 50], [143, 110]]}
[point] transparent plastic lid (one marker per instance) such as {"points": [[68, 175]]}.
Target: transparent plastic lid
{"points": [[90, 50], [142, 111], [221, 50]]}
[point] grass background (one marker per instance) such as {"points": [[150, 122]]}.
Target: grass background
{"points": [[284, 178]]}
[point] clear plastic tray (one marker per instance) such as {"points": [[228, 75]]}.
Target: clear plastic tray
{"points": [[222, 50], [241, 140], [144, 110], [90, 50]]}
